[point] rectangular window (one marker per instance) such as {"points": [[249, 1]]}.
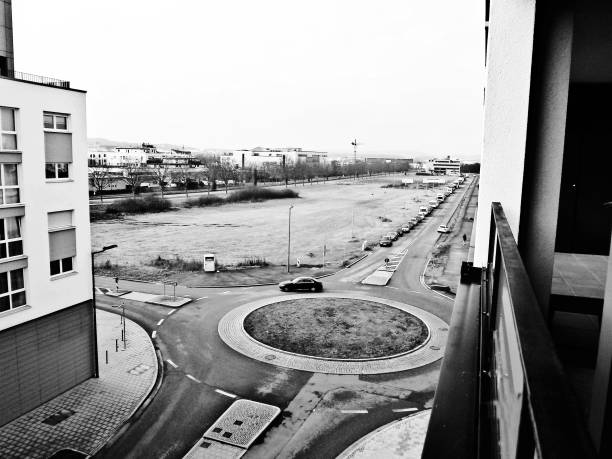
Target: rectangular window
{"points": [[62, 242], [61, 266], [58, 146], [11, 244], [56, 170], [12, 290], [9, 185], [55, 121], [8, 130]]}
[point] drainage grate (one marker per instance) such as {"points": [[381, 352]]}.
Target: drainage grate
{"points": [[58, 417], [205, 444], [139, 369]]}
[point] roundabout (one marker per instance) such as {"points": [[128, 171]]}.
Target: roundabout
{"points": [[335, 333]]}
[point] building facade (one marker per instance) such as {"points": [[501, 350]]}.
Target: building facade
{"points": [[47, 322], [445, 166], [531, 335]]}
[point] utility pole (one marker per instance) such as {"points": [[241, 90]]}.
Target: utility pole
{"points": [[289, 241], [354, 144]]}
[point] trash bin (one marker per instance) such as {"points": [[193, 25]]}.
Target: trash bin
{"points": [[210, 263]]}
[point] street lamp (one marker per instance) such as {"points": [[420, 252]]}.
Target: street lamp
{"points": [[95, 324], [289, 240]]}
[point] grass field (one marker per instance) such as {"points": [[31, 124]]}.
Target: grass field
{"points": [[325, 214], [341, 328]]}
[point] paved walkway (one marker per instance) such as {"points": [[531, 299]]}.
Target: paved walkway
{"points": [[231, 331], [95, 409], [402, 439]]}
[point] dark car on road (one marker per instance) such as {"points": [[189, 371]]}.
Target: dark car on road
{"points": [[301, 284], [385, 241]]}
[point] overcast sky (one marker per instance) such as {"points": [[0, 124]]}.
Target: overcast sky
{"points": [[400, 76]]}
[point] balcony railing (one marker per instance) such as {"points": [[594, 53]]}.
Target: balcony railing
{"points": [[502, 391], [47, 81]]}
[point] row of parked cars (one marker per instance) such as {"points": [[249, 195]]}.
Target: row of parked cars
{"points": [[388, 239]]}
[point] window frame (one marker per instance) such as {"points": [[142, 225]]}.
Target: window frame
{"points": [[54, 116], [6, 240], [61, 267], [56, 176], [9, 293], [14, 132], [4, 186]]}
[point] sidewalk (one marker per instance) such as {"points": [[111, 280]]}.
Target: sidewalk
{"points": [[401, 439], [88, 415]]}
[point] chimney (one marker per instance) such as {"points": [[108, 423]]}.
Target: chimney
{"points": [[6, 39]]}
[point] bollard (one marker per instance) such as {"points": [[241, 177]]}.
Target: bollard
{"points": [[107, 356], [116, 345]]}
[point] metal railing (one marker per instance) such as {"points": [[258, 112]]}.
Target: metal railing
{"points": [[47, 81], [502, 391]]}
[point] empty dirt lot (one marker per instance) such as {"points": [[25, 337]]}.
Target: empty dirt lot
{"points": [[324, 215]]}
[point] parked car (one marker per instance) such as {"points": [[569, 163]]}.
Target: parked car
{"points": [[301, 284], [420, 217], [385, 242], [406, 227], [400, 231], [393, 235], [443, 229], [415, 221]]}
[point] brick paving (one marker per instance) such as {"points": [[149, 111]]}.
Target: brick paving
{"points": [[100, 406], [231, 331]]}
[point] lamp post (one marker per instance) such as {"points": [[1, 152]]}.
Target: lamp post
{"points": [[289, 240], [95, 325]]}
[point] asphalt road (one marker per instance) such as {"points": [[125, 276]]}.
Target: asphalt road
{"points": [[197, 364]]}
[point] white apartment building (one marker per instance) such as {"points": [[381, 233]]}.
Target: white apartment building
{"points": [[262, 156], [47, 321], [445, 166]]}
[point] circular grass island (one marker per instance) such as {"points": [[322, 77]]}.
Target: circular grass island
{"points": [[336, 328]]}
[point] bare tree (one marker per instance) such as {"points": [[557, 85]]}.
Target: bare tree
{"points": [[133, 176], [182, 174], [99, 177], [226, 172], [160, 174]]}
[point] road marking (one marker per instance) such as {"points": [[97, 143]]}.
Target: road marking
{"points": [[172, 363], [201, 298], [171, 312], [227, 394], [225, 293], [404, 410], [154, 334], [396, 288], [161, 321], [193, 378], [354, 411]]}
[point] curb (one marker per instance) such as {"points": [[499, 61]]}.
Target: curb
{"points": [[244, 285], [144, 404]]}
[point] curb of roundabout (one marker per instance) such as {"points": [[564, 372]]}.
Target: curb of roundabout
{"points": [[232, 332]]}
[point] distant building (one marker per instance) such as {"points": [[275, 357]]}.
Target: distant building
{"points": [[262, 156], [446, 166], [399, 164]]}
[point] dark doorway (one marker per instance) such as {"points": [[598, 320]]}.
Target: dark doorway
{"points": [[586, 184]]}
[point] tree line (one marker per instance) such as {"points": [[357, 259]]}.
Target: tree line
{"points": [[215, 171]]}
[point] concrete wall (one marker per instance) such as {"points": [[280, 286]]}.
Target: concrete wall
{"points": [[505, 115], [46, 295]]}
